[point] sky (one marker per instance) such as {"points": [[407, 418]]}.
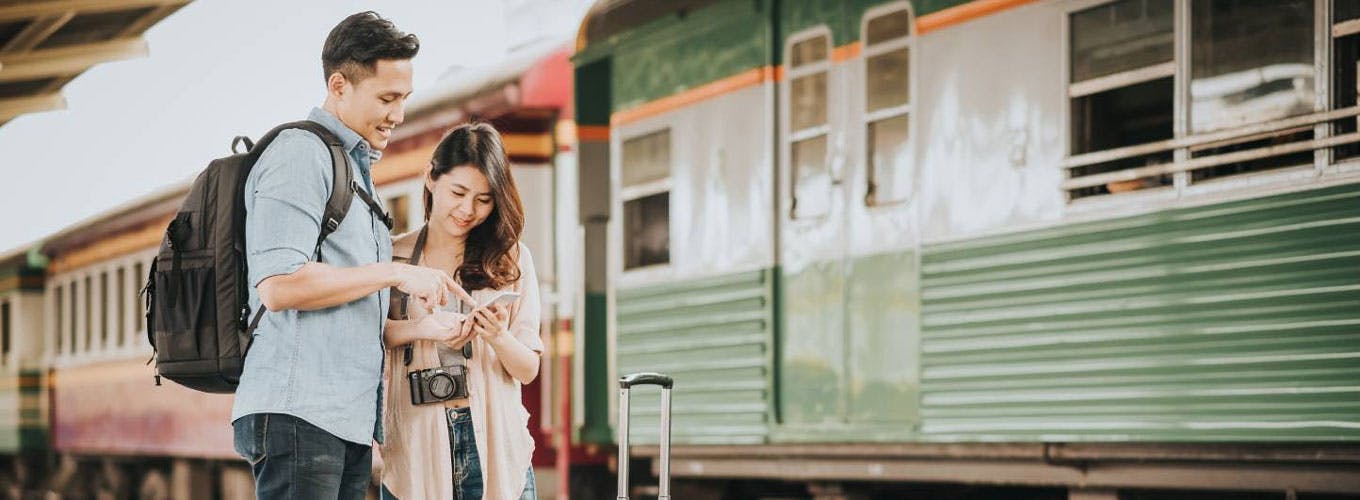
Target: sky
{"points": [[216, 69]]}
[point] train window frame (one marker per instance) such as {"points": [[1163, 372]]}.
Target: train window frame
{"points": [[104, 309], [869, 118], [87, 291], [58, 320], [644, 189], [1343, 37], [1126, 79], [1268, 155], [73, 293], [790, 137], [139, 268], [6, 329], [120, 305]]}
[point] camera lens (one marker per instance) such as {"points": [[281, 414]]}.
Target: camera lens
{"points": [[442, 386]]}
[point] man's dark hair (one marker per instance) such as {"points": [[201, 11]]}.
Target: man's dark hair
{"points": [[356, 44]]}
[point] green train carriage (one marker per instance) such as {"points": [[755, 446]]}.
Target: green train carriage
{"points": [[1075, 244], [24, 429]]}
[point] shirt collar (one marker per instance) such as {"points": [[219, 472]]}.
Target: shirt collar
{"points": [[348, 137]]}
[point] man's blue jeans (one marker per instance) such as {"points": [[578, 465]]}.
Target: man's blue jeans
{"points": [[292, 459]]}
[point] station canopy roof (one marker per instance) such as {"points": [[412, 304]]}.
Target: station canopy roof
{"points": [[44, 44]]}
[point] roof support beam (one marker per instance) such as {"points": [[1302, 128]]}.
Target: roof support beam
{"points": [[10, 108], [67, 61], [36, 32], [29, 10]]}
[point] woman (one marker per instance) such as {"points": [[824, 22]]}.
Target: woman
{"points": [[478, 446]]}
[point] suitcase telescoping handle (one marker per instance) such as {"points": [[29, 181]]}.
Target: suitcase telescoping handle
{"points": [[625, 383]]}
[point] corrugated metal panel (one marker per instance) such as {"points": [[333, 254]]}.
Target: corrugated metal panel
{"points": [[1232, 322], [713, 336]]}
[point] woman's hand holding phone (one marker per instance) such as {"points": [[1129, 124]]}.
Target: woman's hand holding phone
{"points": [[490, 322], [444, 326]]}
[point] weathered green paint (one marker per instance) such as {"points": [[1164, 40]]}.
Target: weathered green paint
{"points": [[714, 336], [596, 385], [677, 54], [883, 329], [849, 350], [812, 356], [1232, 322], [840, 16]]}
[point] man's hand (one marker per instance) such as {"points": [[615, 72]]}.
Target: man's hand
{"points": [[430, 287]]}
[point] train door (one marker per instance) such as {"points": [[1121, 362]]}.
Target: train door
{"points": [[882, 327], [812, 232], [848, 282]]}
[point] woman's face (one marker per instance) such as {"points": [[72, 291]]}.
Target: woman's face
{"points": [[462, 200]]}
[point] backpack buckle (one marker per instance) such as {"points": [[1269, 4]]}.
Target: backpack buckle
{"points": [[332, 225]]}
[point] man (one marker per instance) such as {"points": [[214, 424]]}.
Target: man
{"points": [[307, 408]]}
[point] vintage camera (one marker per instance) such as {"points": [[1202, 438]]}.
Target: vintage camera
{"points": [[436, 385]]}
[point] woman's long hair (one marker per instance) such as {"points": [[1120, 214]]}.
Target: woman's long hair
{"points": [[487, 258]]}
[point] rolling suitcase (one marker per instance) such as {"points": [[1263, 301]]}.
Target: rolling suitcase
{"points": [[625, 383]]}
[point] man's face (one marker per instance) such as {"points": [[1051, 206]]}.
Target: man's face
{"points": [[374, 105]]}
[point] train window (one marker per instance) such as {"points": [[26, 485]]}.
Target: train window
{"points": [[646, 159], [6, 330], [1251, 62], [886, 78], [646, 170], [812, 180], [104, 309], [1122, 36], [647, 231], [400, 208], [1345, 59], [809, 64], [887, 58], [75, 316], [120, 293], [60, 320], [1345, 10], [809, 51], [809, 101], [889, 177], [138, 314], [888, 27], [87, 311], [1121, 87]]}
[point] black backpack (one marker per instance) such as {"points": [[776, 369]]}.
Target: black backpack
{"points": [[198, 316]]}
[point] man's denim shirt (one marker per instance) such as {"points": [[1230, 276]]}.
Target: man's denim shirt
{"points": [[322, 366]]}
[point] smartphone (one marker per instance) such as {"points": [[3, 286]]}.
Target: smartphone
{"points": [[502, 298]]}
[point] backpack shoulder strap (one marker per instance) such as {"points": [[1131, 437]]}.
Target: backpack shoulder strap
{"points": [[337, 206], [342, 193]]}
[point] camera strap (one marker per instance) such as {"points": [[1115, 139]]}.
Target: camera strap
{"points": [[409, 353]]}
